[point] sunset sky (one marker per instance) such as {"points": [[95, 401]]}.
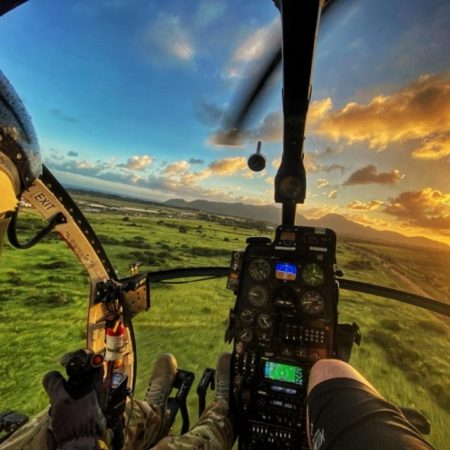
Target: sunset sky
{"points": [[128, 100]]}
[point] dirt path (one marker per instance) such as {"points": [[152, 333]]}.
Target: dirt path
{"points": [[412, 286]]}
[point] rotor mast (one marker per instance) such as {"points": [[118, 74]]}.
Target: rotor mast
{"points": [[300, 20]]}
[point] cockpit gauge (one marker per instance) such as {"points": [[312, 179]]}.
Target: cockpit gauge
{"points": [[246, 335], [265, 321], [284, 298], [258, 295], [259, 269], [247, 316], [312, 275], [312, 302]]}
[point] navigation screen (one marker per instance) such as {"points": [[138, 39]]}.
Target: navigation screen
{"points": [[283, 372], [285, 271]]}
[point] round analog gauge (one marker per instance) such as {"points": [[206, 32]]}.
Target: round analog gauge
{"points": [[312, 302], [265, 321], [259, 269], [313, 275], [258, 295], [247, 316], [246, 335], [284, 298]]}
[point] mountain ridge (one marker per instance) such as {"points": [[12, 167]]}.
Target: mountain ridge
{"points": [[340, 224]]}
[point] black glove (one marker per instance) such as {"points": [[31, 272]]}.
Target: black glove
{"points": [[75, 424]]}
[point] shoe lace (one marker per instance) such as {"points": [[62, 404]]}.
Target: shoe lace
{"points": [[156, 393]]}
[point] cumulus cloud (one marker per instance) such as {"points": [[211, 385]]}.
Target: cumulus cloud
{"points": [[72, 153], [370, 175], [138, 162], [176, 168], [371, 205], [228, 166], [419, 112], [318, 110], [81, 167], [428, 208]]}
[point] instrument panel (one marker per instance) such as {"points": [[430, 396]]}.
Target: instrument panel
{"points": [[284, 320]]}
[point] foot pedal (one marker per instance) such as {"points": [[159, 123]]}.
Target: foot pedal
{"points": [[183, 382], [207, 380], [11, 421]]}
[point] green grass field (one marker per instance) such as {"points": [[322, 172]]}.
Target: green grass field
{"points": [[404, 351]]}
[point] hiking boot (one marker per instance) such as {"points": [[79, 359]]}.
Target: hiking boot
{"points": [[223, 377], [161, 381]]}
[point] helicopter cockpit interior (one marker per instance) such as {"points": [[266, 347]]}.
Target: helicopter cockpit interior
{"points": [[337, 112]]}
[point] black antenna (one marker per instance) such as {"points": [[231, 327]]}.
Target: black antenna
{"points": [[300, 20]]}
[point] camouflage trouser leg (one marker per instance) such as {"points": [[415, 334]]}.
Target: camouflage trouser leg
{"points": [[142, 423], [32, 436], [213, 431]]}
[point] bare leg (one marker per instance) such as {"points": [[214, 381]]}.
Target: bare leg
{"points": [[327, 369], [345, 411]]}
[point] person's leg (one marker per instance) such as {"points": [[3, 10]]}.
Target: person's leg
{"points": [[327, 369], [346, 412], [31, 436], [145, 420], [214, 430]]}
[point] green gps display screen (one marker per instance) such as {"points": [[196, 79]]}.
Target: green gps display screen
{"points": [[283, 372]]}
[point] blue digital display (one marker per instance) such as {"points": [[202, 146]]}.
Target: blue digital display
{"points": [[285, 271]]}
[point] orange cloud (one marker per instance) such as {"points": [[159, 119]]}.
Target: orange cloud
{"points": [[419, 111], [369, 175], [428, 208], [228, 166], [372, 205], [318, 110]]}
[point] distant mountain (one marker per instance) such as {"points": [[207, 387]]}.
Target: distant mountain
{"points": [[338, 223], [266, 213]]}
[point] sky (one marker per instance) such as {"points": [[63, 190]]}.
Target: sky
{"points": [[128, 96]]}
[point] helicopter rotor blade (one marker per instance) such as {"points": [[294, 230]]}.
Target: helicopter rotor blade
{"points": [[351, 285], [236, 119], [8, 5]]}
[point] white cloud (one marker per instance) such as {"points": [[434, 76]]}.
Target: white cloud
{"points": [[167, 41], [138, 162]]}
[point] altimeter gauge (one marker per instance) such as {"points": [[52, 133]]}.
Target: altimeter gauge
{"points": [[312, 275]]}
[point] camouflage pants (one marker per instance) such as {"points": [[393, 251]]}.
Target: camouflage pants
{"points": [[213, 431]]}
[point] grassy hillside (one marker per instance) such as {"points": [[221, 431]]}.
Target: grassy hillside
{"points": [[404, 351]]}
